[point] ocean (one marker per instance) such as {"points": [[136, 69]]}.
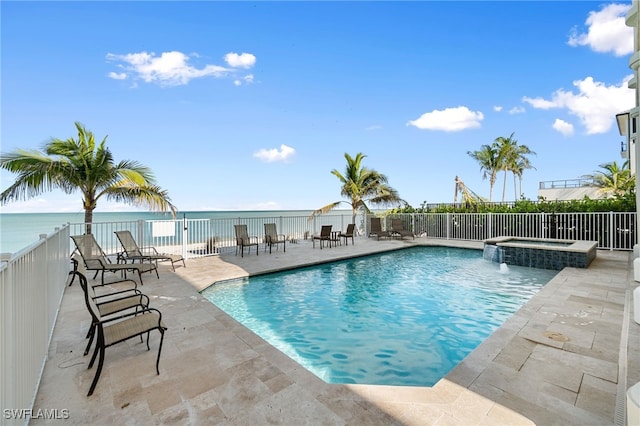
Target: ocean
{"points": [[18, 230]]}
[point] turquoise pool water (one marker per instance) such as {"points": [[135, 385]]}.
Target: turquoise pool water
{"points": [[400, 318]]}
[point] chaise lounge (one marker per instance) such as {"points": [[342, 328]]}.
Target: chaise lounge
{"points": [[95, 259], [133, 252], [375, 229], [397, 229]]}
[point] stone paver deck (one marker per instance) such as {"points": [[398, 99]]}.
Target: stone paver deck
{"points": [[554, 362]]}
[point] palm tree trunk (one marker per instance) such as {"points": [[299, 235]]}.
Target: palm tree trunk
{"points": [[504, 186], [520, 186], [88, 219]]}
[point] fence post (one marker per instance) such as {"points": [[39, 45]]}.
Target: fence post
{"points": [[413, 223], [490, 225], [140, 235], [448, 223], [365, 225], [611, 231], [184, 236]]}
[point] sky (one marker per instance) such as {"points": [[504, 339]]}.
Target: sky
{"points": [[250, 105]]}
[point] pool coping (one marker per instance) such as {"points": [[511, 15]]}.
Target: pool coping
{"points": [[577, 246]]}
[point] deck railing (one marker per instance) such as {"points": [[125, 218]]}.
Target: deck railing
{"points": [[612, 230], [32, 283], [200, 237]]}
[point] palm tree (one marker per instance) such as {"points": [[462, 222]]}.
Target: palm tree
{"points": [[487, 157], [521, 164], [615, 180], [361, 186], [72, 165], [506, 157], [512, 158]]}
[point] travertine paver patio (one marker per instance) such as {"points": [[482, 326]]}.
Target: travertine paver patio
{"points": [[555, 362]]}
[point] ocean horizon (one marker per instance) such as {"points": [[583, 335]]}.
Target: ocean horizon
{"points": [[19, 230]]}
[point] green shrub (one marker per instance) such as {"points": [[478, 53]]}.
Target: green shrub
{"points": [[624, 203]]}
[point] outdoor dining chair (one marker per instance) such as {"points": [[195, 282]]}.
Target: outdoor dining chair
{"points": [[271, 237], [116, 329], [244, 240], [325, 235]]}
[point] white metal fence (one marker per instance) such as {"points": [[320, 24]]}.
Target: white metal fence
{"points": [[32, 283], [612, 230], [199, 237]]}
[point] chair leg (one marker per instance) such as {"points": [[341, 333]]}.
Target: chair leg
{"points": [[159, 350], [98, 371], [92, 332], [95, 354]]}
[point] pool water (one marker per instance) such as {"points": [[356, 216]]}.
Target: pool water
{"points": [[400, 318]]}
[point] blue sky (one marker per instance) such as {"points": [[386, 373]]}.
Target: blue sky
{"points": [[250, 105]]}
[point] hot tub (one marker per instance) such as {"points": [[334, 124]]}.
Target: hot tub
{"points": [[540, 252]]}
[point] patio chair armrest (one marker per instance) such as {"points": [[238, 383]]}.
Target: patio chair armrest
{"points": [[94, 263], [132, 291], [149, 250], [132, 314], [135, 284], [143, 299]]}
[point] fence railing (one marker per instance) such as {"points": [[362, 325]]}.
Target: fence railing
{"points": [[32, 283], [567, 183], [612, 230], [200, 237]]}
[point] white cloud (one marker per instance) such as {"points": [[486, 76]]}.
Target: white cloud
{"points": [[271, 155], [563, 127], [448, 120], [517, 110], [118, 76], [607, 31], [373, 127], [540, 103], [171, 68], [497, 108], [595, 104], [243, 60], [247, 79]]}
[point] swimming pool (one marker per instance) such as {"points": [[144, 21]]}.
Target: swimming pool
{"points": [[400, 318]]}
